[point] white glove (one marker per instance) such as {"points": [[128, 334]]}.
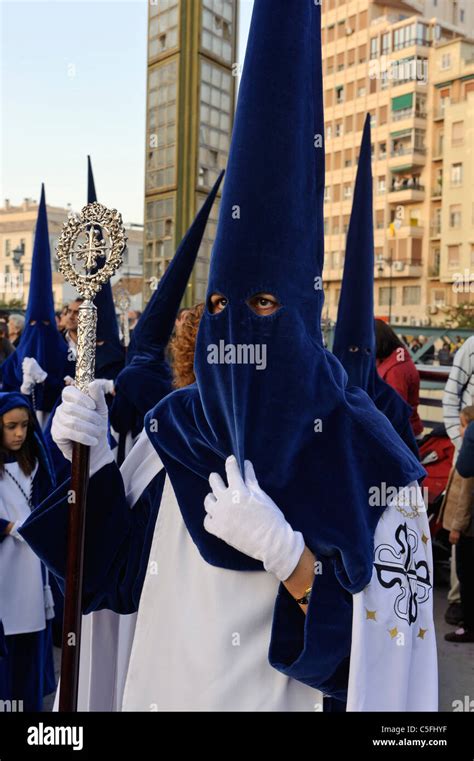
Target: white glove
{"points": [[247, 519], [33, 373], [83, 418], [107, 385]]}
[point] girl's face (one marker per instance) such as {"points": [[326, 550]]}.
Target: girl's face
{"points": [[15, 428]]}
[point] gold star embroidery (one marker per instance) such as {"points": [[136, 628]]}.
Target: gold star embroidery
{"points": [[370, 615], [424, 538], [421, 633], [393, 632]]}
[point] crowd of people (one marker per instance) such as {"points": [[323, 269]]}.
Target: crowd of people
{"points": [[256, 535]]}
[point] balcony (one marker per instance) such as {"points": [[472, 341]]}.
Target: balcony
{"points": [[407, 231], [406, 194], [435, 230], [405, 157], [400, 268], [398, 116]]}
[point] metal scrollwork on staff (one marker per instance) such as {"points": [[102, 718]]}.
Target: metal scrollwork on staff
{"points": [[90, 250]]}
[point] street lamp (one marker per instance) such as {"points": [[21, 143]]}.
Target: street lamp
{"points": [[381, 262]]}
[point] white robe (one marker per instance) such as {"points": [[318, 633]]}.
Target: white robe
{"points": [[393, 658], [22, 600], [202, 634]]}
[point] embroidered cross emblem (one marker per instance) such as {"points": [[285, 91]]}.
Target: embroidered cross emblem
{"points": [[398, 565]]}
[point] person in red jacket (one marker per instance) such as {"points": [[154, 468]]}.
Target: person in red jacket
{"points": [[396, 367]]}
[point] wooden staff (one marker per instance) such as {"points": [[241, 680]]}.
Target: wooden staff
{"points": [[105, 238]]}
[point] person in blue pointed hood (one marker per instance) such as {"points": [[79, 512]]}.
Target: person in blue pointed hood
{"points": [[278, 561], [147, 377], [354, 337], [40, 340], [26, 670]]}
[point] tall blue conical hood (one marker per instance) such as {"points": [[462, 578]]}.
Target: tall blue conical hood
{"points": [[40, 298], [270, 230], [110, 354], [147, 377], [266, 388], [354, 339], [107, 326], [156, 324], [40, 338]]}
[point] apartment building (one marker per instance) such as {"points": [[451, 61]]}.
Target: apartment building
{"points": [[190, 108], [381, 57]]}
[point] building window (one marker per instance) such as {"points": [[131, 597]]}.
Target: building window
{"points": [[160, 245], [469, 87], [411, 295], [347, 191], [374, 47], [217, 20], [163, 28], [457, 135], [340, 94], [381, 184], [455, 216], [161, 156], [8, 247], [387, 296], [382, 150], [215, 118], [338, 129], [456, 174], [472, 254], [327, 193], [446, 61], [453, 256], [386, 43]]}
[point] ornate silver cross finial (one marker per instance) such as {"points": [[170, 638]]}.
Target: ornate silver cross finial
{"points": [[104, 237]]}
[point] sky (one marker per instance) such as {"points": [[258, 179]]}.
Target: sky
{"points": [[72, 83]]}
